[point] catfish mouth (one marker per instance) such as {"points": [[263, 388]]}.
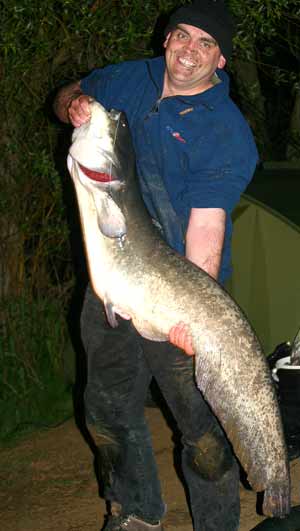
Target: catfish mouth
{"points": [[100, 177]]}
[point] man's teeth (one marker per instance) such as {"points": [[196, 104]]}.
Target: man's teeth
{"points": [[186, 62]]}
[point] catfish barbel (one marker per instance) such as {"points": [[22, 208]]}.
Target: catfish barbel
{"points": [[138, 276]]}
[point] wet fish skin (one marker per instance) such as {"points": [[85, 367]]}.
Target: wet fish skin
{"points": [[138, 276]]}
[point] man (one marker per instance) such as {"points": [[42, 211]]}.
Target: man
{"points": [[195, 156]]}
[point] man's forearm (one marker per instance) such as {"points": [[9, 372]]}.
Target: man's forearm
{"points": [[205, 239], [205, 252], [63, 99]]}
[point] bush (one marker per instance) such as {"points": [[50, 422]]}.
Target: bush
{"points": [[33, 391], [46, 44]]}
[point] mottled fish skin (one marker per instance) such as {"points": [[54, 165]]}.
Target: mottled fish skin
{"points": [[138, 276]]}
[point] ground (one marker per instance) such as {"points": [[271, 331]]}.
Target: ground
{"points": [[48, 483]]}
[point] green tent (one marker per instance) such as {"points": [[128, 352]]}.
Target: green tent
{"points": [[266, 271]]}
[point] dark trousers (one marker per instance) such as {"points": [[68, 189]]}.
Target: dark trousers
{"points": [[121, 365]]}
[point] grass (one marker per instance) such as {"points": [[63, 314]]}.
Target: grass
{"points": [[33, 391]]}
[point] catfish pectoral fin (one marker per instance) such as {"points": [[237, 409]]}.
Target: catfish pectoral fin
{"points": [[111, 220], [110, 314]]}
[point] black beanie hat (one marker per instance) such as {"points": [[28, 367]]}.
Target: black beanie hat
{"points": [[209, 15]]}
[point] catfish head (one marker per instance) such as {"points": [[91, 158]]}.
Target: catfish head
{"points": [[99, 159]]}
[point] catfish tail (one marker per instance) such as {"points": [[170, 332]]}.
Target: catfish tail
{"points": [[277, 500]]}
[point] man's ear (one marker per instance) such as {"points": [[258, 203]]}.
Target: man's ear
{"points": [[167, 40], [222, 62]]}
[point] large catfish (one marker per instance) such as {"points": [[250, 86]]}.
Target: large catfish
{"points": [[137, 275]]}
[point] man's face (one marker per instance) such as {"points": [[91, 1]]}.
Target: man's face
{"points": [[192, 57]]}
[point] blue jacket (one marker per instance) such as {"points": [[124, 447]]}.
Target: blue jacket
{"points": [[192, 151]]}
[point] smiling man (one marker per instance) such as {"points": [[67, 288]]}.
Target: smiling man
{"points": [[192, 57], [195, 155]]}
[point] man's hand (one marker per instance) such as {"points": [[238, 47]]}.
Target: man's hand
{"points": [[79, 110], [179, 335], [71, 105]]}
